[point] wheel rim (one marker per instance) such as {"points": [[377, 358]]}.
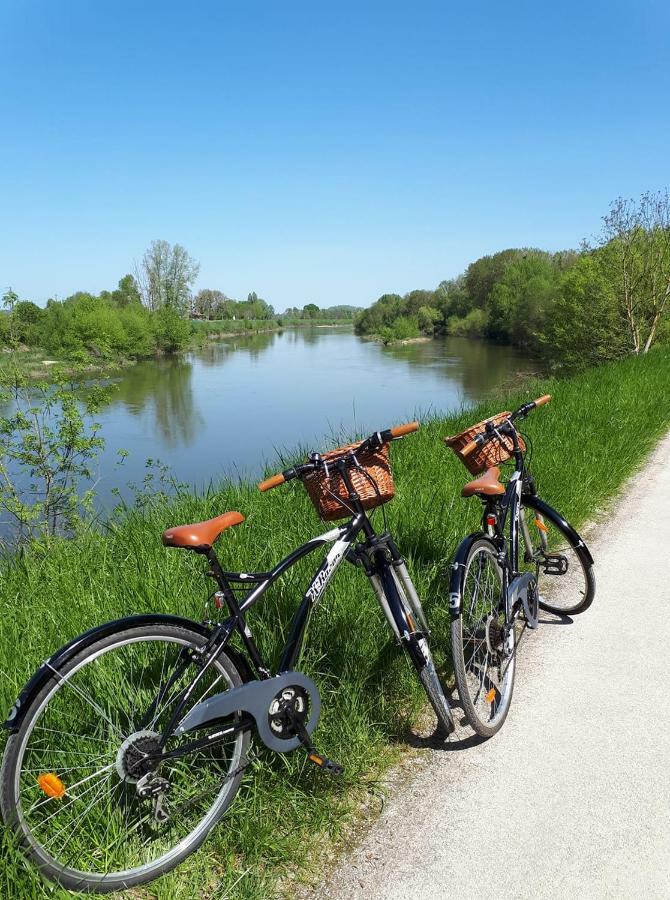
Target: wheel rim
{"points": [[100, 829], [546, 551], [488, 656]]}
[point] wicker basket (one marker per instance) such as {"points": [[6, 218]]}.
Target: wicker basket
{"points": [[376, 471], [491, 454]]}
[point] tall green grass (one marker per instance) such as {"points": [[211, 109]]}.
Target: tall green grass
{"points": [[288, 817]]}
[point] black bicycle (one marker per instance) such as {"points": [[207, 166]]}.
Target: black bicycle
{"points": [[526, 557], [128, 745]]}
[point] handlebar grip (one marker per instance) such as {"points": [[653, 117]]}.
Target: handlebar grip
{"points": [[273, 481], [400, 430], [469, 448], [542, 400]]}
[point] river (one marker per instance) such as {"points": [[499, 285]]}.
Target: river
{"points": [[229, 408]]}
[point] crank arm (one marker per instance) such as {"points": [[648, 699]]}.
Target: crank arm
{"points": [[327, 765]]}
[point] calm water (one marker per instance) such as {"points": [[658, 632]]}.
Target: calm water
{"points": [[230, 407]]}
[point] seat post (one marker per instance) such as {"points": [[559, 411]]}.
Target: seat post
{"points": [[217, 572]]}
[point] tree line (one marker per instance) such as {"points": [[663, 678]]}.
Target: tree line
{"points": [[574, 308], [151, 311]]}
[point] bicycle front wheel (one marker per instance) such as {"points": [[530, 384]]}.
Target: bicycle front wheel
{"points": [[482, 646], [69, 777]]}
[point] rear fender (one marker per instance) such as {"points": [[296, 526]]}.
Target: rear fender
{"points": [[61, 657], [575, 539]]}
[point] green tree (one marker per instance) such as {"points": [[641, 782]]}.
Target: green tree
{"points": [[210, 304], [310, 311], [482, 275], [518, 303], [635, 241], [428, 318], [9, 298], [165, 277], [584, 325], [127, 293], [26, 317]]}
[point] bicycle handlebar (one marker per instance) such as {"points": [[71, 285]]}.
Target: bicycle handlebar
{"points": [[470, 447], [273, 481], [480, 439], [523, 411], [378, 439], [399, 431]]}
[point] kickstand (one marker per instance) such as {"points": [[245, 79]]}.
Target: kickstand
{"points": [[325, 764]]}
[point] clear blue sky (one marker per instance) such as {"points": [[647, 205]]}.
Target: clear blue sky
{"points": [[325, 152]]}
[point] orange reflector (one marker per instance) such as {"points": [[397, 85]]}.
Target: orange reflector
{"points": [[51, 785], [540, 525], [490, 697]]}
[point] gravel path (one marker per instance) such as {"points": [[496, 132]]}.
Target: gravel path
{"points": [[572, 797]]}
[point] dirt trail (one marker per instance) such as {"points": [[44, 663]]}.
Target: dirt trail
{"points": [[572, 798]]}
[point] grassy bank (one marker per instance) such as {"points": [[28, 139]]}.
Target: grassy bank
{"points": [[288, 817]]}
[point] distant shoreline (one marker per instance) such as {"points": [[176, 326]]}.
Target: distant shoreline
{"points": [[36, 365]]}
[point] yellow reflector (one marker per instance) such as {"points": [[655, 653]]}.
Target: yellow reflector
{"points": [[540, 525], [51, 785], [490, 697]]}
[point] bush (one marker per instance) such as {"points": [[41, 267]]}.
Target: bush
{"points": [[475, 324], [403, 329], [172, 332]]}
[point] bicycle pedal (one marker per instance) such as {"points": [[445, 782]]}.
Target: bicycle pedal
{"points": [[327, 765], [555, 564]]}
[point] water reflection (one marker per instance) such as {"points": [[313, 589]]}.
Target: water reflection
{"points": [[164, 390], [479, 366], [215, 353]]}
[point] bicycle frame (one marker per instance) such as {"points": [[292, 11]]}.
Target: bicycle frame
{"points": [[376, 554]]}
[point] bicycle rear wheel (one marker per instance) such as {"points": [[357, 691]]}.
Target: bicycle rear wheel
{"points": [[68, 783], [558, 557], [483, 653]]}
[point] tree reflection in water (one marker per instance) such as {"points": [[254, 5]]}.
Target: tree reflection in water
{"points": [[165, 387]]}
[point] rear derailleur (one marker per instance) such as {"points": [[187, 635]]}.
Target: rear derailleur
{"points": [[153, 788]]}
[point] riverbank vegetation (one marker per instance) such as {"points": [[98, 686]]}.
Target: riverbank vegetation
{"points": [[574, 308], [150, 313], [288, 817]]}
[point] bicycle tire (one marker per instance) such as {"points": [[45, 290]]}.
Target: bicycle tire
{"points": [[485, 701], [12, 801]]}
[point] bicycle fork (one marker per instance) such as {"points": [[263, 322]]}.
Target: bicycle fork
{"points": [[402, 609]]}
